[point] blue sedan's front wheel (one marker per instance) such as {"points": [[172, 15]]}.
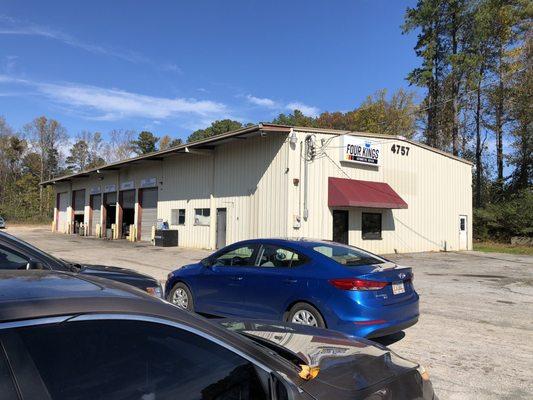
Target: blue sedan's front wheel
{"points": [[181, 296], [306, 314]]}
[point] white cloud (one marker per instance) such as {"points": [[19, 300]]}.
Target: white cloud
{"points": [[10, 63], [113, 104], [171, 67], [310, 111], [262, 101], [272, 104], [12, 26]]}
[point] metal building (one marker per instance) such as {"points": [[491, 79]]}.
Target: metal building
{"points": [[382, 193]]}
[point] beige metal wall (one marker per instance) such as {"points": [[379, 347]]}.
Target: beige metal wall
{"points": [[247, 177], [436, 188]]}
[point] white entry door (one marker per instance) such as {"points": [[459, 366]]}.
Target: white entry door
{"points": [[463, 232]]}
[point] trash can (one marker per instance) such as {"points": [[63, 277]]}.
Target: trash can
{"points": [[166, 238]]}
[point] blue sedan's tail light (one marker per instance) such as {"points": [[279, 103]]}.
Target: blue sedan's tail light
{"points": [[357, 284]]}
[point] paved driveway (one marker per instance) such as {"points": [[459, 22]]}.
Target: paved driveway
{"points": [[475, 332]]}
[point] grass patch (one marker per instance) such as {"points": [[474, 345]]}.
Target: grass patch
{"points": [[491, 247]]}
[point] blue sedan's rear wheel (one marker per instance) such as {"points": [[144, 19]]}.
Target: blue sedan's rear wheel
{"points": [[181, 296], [306, 314]]}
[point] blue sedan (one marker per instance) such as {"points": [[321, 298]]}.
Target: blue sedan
{"points": [[311, 282]]}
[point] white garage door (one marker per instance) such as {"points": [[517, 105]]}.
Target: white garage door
{"points": [[149, 212], [62, 218], [96, 202]]}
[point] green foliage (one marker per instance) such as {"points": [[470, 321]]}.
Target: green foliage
{"points": [[500, 221], [166, 142], [79, 156], [378, 114], [145, 143], [297, 118], [216, 128]]}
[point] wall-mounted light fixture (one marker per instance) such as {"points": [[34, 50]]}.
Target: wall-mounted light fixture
{"points": [[293, 139]]}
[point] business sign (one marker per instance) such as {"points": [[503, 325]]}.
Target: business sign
{"points": [[360, 150], [95, 190], [127, 185], [110, 188], [148, 182]]}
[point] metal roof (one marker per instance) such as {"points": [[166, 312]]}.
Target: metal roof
{"points": [[183, 148], [211, 142]]}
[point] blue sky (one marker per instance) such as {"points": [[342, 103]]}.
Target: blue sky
{"points": [[174, 66]]}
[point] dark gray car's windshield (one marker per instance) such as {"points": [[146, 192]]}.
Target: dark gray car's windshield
{"points": [[45, 256], [347, 255]]}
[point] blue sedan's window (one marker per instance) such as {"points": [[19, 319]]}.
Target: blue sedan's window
{"points": [[275, 256], [239, 256], [346, 255]]}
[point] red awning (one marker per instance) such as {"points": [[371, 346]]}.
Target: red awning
{"points": [[354, 193]]}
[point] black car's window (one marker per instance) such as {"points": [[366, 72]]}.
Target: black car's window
{"points": [[347, 255], [276, 256], [138, 360], [7, 386], [10, 259], [237, 256]]}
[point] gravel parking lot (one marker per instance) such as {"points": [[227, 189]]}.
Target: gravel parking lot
{"points": [[475, 332]]}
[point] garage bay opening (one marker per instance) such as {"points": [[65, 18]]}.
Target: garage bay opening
{"points": [[78, 201], [110, 209], [127, 206]]}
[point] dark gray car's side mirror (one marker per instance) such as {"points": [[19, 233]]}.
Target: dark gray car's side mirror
{"points": [[34, 265]]}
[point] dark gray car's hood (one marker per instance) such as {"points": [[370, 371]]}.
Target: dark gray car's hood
{"points": [[124, 275], [353, 367]]}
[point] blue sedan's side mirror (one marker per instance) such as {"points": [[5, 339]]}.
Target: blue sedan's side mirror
{"points": [[207, 262]]}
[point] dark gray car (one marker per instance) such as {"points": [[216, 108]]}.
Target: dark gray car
{"points": [[16, 254], [67, 336]]}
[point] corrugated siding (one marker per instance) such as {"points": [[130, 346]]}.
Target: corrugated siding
{"points": [[247, 177], [436, 188]]}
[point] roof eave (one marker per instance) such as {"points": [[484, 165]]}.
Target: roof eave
{"points": [[176, 149]]}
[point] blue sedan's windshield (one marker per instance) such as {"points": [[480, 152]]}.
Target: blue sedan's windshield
{"points": [[346, 255]]}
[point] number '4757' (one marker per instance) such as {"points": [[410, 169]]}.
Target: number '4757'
{"points": [[401, 150]]}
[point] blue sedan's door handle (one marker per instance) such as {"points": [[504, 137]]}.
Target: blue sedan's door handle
{"points": [[289, 280], [237, 278]]}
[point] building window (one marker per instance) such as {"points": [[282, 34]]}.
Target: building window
{"points": [[371, 226], [202, 216], [177, 216]]}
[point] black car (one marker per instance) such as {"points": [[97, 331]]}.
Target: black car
{"points": [[15, 254], [68, 336]]}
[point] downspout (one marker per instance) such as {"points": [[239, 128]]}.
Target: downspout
{"points": [[306, 174]]}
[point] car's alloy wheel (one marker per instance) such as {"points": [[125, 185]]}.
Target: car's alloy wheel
{"points": [[304, 317], [180, 298]]}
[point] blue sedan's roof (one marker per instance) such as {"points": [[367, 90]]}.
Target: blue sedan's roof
{"points": [[295, 241]]}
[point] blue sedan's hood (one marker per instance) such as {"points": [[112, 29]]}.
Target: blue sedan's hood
{"points": [[188, 269]]}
